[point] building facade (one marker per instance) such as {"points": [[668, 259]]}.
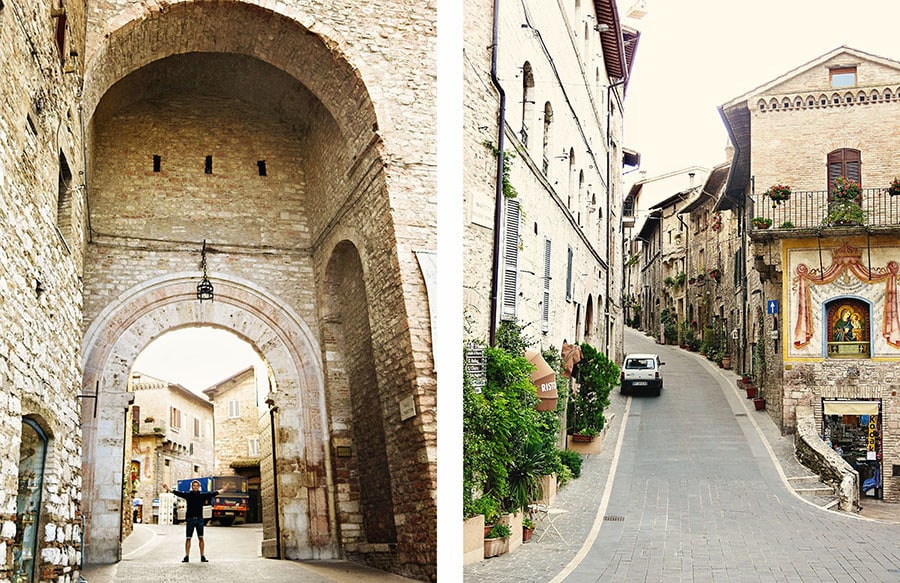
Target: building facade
{"points": [[237, 426], [287, 155], [822, 253], [172, 439], [543, 162]]}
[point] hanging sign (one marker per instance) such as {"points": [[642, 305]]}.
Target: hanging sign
{"points": [[544, 380]]}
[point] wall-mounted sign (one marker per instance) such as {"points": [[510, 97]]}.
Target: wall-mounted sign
{"points": [[407, 408], [476, 365], [772, 306]]}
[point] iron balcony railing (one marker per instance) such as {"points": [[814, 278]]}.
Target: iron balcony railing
{"points": [[808, 209]]}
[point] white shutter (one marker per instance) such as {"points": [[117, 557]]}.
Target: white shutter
{"points": [[510, 260], [545, 312]]}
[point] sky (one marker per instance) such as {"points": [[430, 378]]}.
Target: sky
{"points": [[196, 358], [695, 55]]}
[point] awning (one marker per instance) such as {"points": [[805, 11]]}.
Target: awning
{"points": [[850, 407], [571, 355], [544, 380]]}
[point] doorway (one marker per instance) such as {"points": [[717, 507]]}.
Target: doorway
{"points": [[32, 456]]}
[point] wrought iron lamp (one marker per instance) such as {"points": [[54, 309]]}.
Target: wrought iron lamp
{"points": [[204, 288]]}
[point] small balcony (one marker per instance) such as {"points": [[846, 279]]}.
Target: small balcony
{"points": [[808, 209]]}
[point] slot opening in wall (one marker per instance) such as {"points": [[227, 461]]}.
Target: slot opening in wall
{"points": [[157, 162], [261, 165], [208, 168]]}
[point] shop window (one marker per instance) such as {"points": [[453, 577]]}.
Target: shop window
{"points": [[848, 329], [853, 430], [32, 455]]}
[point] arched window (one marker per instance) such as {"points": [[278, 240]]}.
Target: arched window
{"points": [[527, 100]]}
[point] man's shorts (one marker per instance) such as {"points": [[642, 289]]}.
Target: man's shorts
{"points": [[191, 524]]}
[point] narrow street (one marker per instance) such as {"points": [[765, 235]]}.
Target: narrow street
{"points": [[691, 486], [153, 553]]}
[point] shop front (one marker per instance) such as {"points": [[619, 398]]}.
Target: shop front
{"points": [[853, 429]]}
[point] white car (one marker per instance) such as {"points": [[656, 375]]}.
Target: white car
{"points": [[642, 371]]}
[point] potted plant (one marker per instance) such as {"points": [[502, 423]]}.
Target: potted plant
{"points": [[844, 213], [761, 222], [751, 391], [786, 225], [496, 540], [759, 403], [778, 193], [845, 190], [527, 529], [894, 188], [490, 508]]}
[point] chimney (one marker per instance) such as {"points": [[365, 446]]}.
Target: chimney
{"points": [[691, 176]]}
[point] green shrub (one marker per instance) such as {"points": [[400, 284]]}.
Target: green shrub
{"points": [[571, 460], [498, 531]]}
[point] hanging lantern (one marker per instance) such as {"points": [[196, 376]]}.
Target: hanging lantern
{"points": [[205, 287]]}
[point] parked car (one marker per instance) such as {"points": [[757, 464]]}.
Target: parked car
{"points": [[642, 371]]}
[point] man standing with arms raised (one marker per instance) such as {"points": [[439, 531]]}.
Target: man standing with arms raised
{"points": [[195, 500]]}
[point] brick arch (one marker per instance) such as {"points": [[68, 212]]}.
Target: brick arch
{"points": [[356, 410], [294, 41], [143, 313]]}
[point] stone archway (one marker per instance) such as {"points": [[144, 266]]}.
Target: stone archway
{"points": [[285, 341]]}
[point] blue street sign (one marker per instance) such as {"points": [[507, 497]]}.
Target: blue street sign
{"points": [[772, 306]]}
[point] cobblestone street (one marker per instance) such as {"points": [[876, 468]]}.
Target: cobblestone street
{"points": [[693, 486], [153, 553]]}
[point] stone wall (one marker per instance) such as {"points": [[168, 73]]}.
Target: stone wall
{"points": [[41, 216], [568, 204]]}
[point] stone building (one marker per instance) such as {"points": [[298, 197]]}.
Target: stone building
{"points": [[237, 428], [715, 291], [822, 305], [649, 244], [542, 170], [286, 153], [172, 439]]}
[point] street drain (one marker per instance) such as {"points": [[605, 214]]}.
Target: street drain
{"points": [[740, 414], [613, 519]]}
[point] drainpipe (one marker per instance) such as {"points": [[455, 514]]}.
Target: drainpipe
{"points": [[498, 194]]}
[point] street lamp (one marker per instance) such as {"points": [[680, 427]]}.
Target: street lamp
{"points": [[205, 287]]}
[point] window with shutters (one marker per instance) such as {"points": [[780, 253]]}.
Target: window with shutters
{"points": [[569, 276], [510, 259], [197, 428], [234, 409], [174, 418], [253, 447], [845, 163], [545, 311]]}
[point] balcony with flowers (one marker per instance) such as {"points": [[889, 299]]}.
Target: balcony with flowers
{"points": [[845, 204]]}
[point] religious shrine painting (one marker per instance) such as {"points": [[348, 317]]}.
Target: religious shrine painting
{"points": [[848, 322]]}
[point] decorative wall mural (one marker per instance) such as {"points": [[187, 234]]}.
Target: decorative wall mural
{"points": [[846, 261]]}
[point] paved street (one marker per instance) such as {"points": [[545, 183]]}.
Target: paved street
{"points": [[693, 486], [153, 553]]}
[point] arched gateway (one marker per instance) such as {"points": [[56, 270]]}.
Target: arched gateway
{"points": [[256, 130]]}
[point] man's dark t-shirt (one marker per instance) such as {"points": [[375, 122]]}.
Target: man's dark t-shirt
{"points": [[195, 502]]}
